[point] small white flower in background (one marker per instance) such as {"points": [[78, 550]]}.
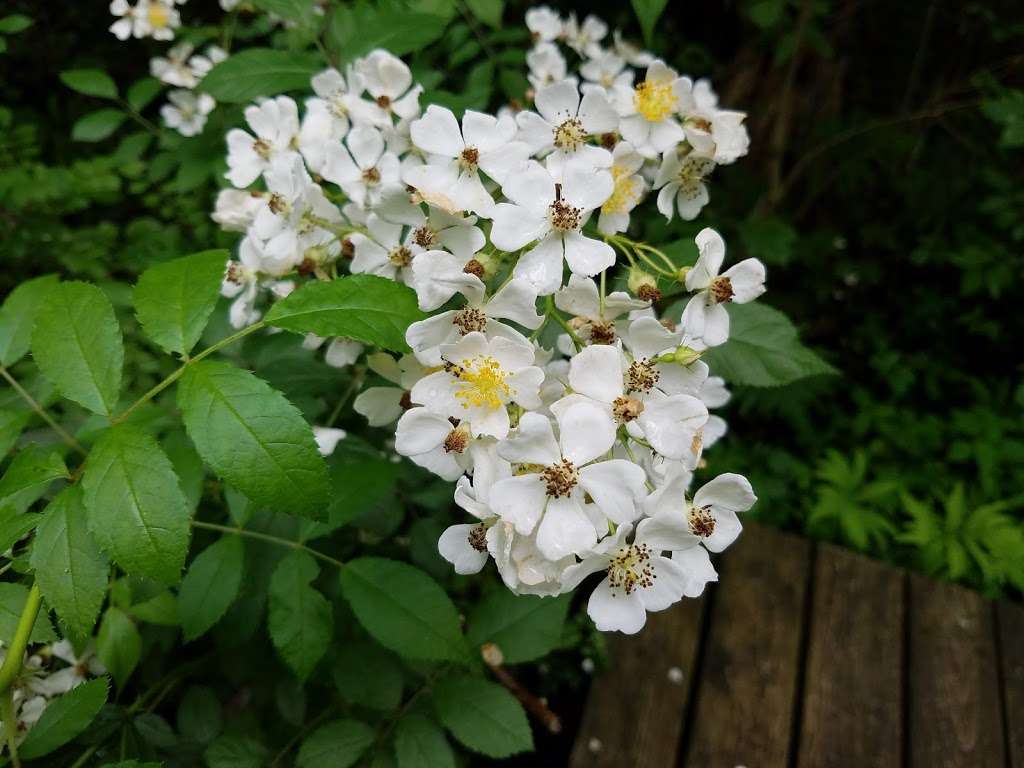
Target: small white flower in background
{"points": [[552, 213], [235, 209], [544, 24], [435, 442], [584, 38], [564, 122], [681, 180], [361, 166], [713, 132], [593, 319], [79, 669], [201, 64], [122, 28], [711, 515], [705, 315], [651, 109], [340, 352], [244, 277], [329, 116], [607, 69], [382, 251], [546, 66], [327, 439], [634, 56], [276, 125], [187, 111], [175, 69], [628, 191], [437, 229], [389, 81], [156, 18], [383, 405]]}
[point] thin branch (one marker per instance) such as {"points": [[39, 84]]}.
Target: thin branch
{"points": [[41, 412]]}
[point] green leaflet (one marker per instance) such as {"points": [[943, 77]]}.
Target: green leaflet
{"points": [[77, 345], [254, 72], [366, 308], [300, 620], [420, 743], [254, 438], [338, 744], [118, 645], [91, 82], [66, 717], [31, 467], [210, 585], [482, 715], [69, 566], [524, 627], [18, 315], [174, 300]]}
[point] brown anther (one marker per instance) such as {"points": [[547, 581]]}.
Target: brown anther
{"points": [[560, 478], [626, 409], [457, 440], [641, 376], [668, 324], [405, 401], [478, 537], [306, 267], [609, 140], [470, 319], [565, 217], [348, 248], [721, 289], [371, 176], [649, 293], [277, 203], [234, 273], [697, 443], [400, 256], [471, 156], [474, 267], [602, 333], [384, 102], [702, 522], [424, 237]]}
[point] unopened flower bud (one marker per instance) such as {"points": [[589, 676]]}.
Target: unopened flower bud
{"points": [[643, 284], [685, 355]]}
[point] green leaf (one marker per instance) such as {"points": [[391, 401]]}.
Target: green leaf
{"points": [[300, 12], [118, 645], [359, 486], [369, 676], [11, 424], [210, 585], [300, 619], [98, 125], [31, 467], [488, 11], [766, 13], [14, 528], [15, 23], [366, 308], [142, 92], [420, 743], [254, 438], [483, 716], [523, 627], [236, 751], [404, 609], [338, 744], [174, 300], [763, 350], [69, 566], [12, 601], [257, 72], [77, 345], [66, 716], [18, 315], [137, 512], [355, 30], [647, 13], [200, 715], [91, 82]]}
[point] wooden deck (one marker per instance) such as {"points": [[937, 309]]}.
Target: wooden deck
{"points": [[813, 657]]}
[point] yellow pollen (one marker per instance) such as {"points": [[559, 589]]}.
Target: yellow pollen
{"points": [[655, 100], [483, 383], [626, 193], [158, 16]]}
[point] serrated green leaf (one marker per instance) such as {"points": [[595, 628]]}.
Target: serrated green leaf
{"points": [[118, 645], [69, 566], [137, 512], [404, 609], [482, 715], [647, 13], [420, 743], [254, 72], [91, 82], [11, 425], [18, 315], [355, 30], [300, 620], [524, 627], [66, 716], [369, 676], [174, 300], [77, 345], [338, 744], [32, 466], [14, 528], [366, 308], [300, 12], [234, 750], [488, 11], [98, 125], [763, 350], [12, 601], [210, 585], [142, 92], [254, 438], [359, 486]]}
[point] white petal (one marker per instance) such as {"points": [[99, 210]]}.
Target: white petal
{"points": [[615, 486], [711, 247], [564, 530], [747, 279], [698, 569], [586, 431], [616, 611], [727, 491], [380, 405], [420, 430], [671, 423], [515, 301], [520, 501], [558, 102], [597, 372], [515, 226], [533, 442], [542, 265], [454, 547], [587, 256], [437, 132]]}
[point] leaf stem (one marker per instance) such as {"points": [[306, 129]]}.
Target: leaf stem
{"points": [[12, 666], [268, 537], [41, 412], [552, 312], [10, 726]]}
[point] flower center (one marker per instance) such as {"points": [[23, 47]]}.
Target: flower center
{"points": [[626, 193], [483, 383], [400, 256], [384, 102], [371, 175], [631, 569], [626, 409], [261, 148], [560, 478], [478, 537], [470, 157], [158, 16], [702, 523], [457, 439], [474, 267], [569, 135], [424, 237], [564, 216], [641, 376], [279, 205], [602, 333], [654, 100], [721, 289], [469, 320], [691, 175]]}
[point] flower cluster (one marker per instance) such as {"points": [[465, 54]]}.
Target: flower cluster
{"points": [[572, 457], [183, 68]]}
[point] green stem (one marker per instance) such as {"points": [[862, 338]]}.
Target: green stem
{"points": [[10, 726], [16, 648], [178, 373], [554, 313], [268, 537], [41, 412]]}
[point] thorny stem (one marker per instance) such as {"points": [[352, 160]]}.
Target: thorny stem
{"points": [[64, 435], [270, 538], [180, 371]]}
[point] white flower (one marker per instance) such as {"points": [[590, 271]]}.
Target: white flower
{"points": [[564, 123], [383, 405], [481, 378], [544, 24], [456, 157], [382, 251], [435, 442], [593, 320], [634, 56], [361, 166], [553, 214], [187, 111], [327, 117], [244, 277], [79, 669], [340, 353], [437, 229], [639, 577], [122, 28], [628, 190], [276, 125], [466, 545], [235, 209], [705, 315], [155, 18], [389, 81], [175, 69], [716, 133], [649, 110], [552, 498], [681, 180], [663, 358], [439, 275], [546, 66], [711, 515], [515, 301], [607, 69], [201, 64], [584, 38]]}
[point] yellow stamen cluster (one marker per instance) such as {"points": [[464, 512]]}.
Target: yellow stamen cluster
{"points": [[158, 16], [655, 100], [483, 383], [626, 193], [631, 569]]}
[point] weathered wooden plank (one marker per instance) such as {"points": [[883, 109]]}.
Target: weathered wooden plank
{"points": [[749, 673], [635, 711], [1011, 636], [853, 683], [955, 714]]}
